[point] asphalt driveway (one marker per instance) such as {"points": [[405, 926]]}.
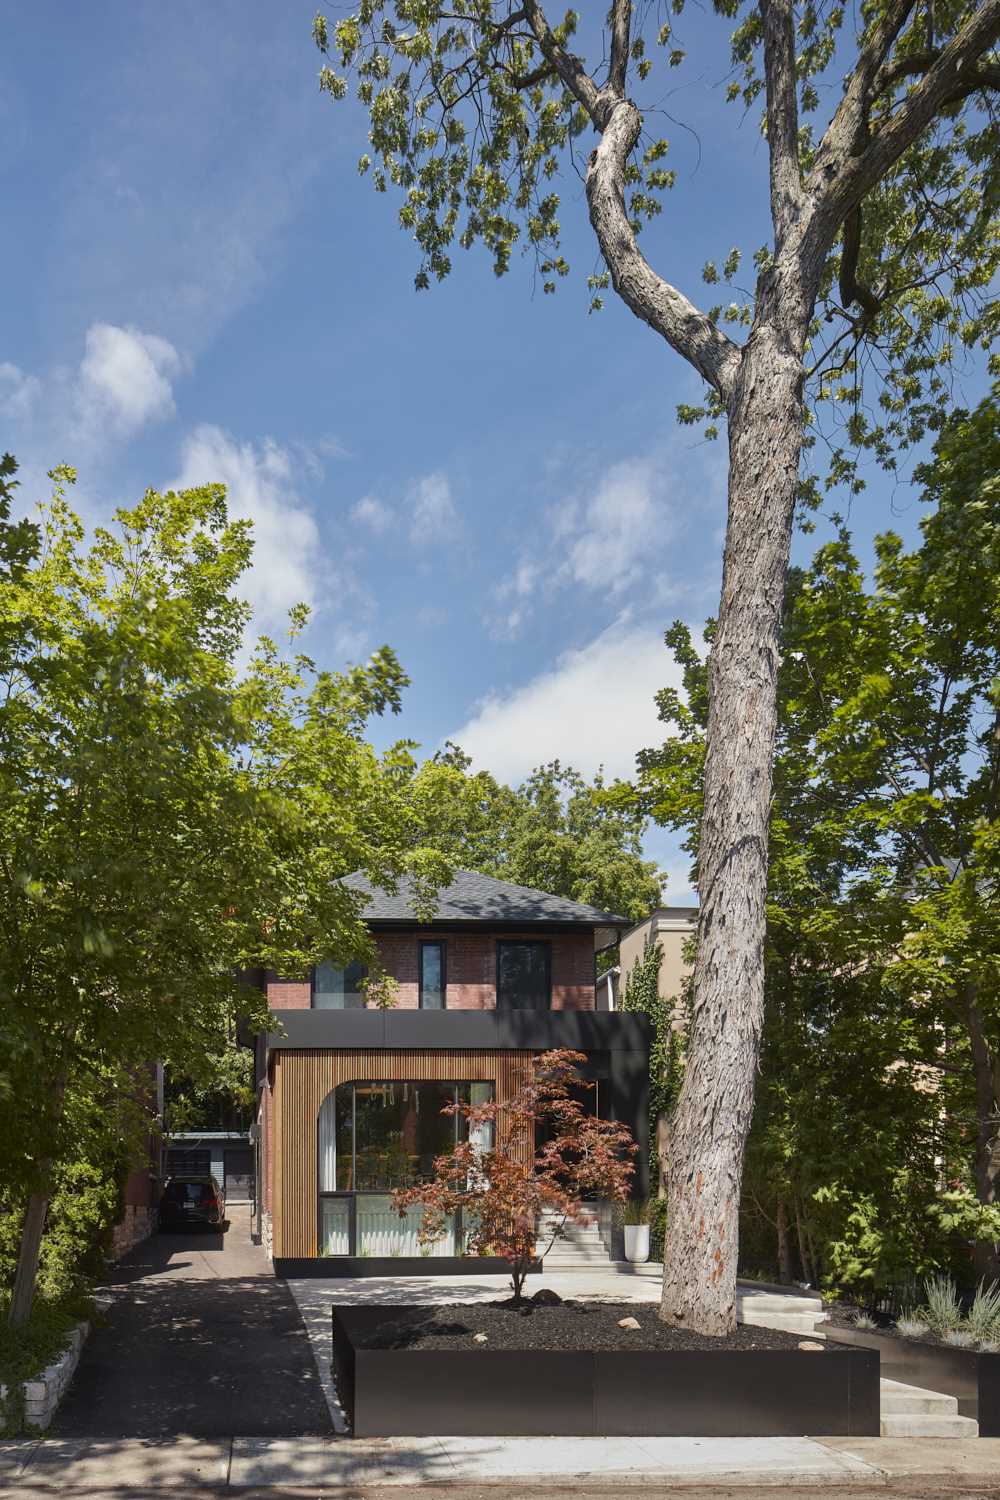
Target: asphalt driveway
{"points": [[201, 1340]]}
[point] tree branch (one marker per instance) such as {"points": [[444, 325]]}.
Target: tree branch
{"points": [[840, 139], [851, 289], [570, 68], [946, 81], [665, 309], [621, 25], [782, 116]]}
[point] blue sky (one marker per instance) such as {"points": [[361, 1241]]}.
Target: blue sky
{"points": [[199, 286]]}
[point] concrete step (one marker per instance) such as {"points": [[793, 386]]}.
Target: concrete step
{"points": [[922, 1425], [785, 1322], [775, 1302], [897, 1399]]}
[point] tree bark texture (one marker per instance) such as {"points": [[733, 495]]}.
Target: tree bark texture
{"points": [[784, 1244], [25, 1277], [760, 385], [712, 1118], [987, 1167]]}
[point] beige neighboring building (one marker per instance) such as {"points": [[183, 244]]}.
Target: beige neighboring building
{"points": [[670, 926]]}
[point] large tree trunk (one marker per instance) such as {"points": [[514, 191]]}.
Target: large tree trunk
{"points": [[987, 1168], [26, 1275], [784, 1244], [710, 1126]]}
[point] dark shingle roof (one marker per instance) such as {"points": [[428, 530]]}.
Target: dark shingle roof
{"points": [[480, 898]]}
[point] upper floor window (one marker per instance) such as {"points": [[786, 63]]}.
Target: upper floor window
{"points": [[433, 981], [524, 977], [338, 986]]}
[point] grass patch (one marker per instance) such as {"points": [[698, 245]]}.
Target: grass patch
{"points": [[25, 1352]]}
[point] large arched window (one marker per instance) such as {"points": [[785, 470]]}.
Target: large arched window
{"points": [[374, 1138]]}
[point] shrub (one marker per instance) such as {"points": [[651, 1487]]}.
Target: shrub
{"points": [[503, 1189], [959, 1338], [983, 1319], [942, 1310], [864, 1320], [912, 1328]]}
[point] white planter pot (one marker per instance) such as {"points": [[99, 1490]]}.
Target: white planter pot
{"points": [[637, 1243]]}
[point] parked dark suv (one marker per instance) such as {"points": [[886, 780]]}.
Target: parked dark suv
{"points": [[191, 1202]]}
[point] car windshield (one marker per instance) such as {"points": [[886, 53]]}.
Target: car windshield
{"points": [[189, 1192]]}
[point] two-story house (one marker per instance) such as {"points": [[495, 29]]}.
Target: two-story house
{"points": [[351, 1098]]}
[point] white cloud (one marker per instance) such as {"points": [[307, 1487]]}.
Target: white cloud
{"points": [[594, 707], [372, 513], [18, 392], [515, 595], [260, 487], [434, 513], [615, 530], [602, 542], [125, 378]]}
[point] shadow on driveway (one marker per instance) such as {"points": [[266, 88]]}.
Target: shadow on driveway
{"points": [[200, 1340]]}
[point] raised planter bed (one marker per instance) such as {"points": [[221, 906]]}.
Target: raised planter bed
{"points": [[293, 1268], [36, 1403], [762, 1385], [971, 1377]]}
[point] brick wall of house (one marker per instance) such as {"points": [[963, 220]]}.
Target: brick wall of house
{"points": [[471, 964], [288, 994], [471, 967]]}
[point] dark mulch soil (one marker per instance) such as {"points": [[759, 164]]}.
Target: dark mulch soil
{"points": [[571, 1325]]}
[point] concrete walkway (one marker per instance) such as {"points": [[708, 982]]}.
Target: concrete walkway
{"points": [[607, 1464]]}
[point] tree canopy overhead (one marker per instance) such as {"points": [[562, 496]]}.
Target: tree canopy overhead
{"points": [[555, 832], [481, 112]]}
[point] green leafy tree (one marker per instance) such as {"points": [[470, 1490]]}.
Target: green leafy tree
{"points": [[164, 823], [883, 932], [881, 198], [641, 992], [555, 832]]}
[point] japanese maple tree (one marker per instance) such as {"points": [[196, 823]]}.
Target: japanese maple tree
{"points": [[546, 1154]]}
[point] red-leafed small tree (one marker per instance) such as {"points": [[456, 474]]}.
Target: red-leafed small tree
{"points": [[537, 1152]]}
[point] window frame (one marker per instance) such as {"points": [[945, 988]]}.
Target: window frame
{"points": [[432, 943], [353, 1194], [343, 968], [543, 943]]}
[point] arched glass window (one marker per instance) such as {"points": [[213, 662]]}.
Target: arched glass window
{"points": [[379, 1136]]}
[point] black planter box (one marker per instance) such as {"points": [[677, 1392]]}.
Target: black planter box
{"points": [[642, 1393], [292, 1268], [972, 1378]]}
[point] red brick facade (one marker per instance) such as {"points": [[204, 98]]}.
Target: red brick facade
{"points": [[471, 968]]}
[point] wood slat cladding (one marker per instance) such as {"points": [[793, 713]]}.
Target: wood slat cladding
{"points": [[302, 1081]]}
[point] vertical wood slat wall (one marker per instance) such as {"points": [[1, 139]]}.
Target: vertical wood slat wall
{"points": [[302, 1081]]}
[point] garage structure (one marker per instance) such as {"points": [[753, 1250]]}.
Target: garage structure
{"points": [[227, 1155]]}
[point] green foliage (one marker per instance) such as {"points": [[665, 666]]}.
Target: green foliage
{"points": [[216, 1093], [555, 832], [26, 1351], [165, 822], [381, 991], [883, 945], [983, 1318], [473, 131], [942, 1310], [640, 992]]}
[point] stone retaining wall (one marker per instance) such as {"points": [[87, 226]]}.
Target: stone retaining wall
{"points": [[136, 1225], [43, 1394]]}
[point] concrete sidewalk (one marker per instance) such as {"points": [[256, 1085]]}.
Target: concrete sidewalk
{"points": [[607, 1464]]}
